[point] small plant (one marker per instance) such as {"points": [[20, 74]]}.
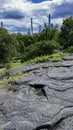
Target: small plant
{"points": [[70, 49], [8, 66]]}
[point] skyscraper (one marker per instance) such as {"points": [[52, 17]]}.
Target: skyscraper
{"points": [[49, 20], [29, 33], [31, 26], [1, 24], [39, 28]]}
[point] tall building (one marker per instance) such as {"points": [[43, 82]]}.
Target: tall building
{"points": [[49, 20], [28, 32], [39, 28], [31, 26], [1, 24]]}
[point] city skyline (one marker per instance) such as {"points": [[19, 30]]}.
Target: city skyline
{"points": [[16, 14]]}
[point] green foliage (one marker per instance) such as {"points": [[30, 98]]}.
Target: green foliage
{"points": [[47, 33], [69, 49], [7, 48], [2, 71], [49, 58], [39, 59], [39, 48], [16, 64], [3, 31], [24, 41], [20, 47], [66, 34]]}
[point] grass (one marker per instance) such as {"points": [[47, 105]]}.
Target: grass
{"points": [[57, 56], [2, 84], [7, 80], [49, 58], [46, 58], [2, 70], [16, 64]]}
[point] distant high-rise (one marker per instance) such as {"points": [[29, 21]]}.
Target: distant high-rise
{"points": [[31, 26], [1, 24], [49, 20], [39, 28], [28, 33]]}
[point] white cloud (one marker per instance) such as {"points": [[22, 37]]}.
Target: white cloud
{"points": [[39, 12], [58, 2]]}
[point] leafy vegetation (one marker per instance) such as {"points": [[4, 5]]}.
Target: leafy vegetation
{"points": [[37, 48], [8, 46], [46, 58], [8, 79], [66, 34], [47, 46]]}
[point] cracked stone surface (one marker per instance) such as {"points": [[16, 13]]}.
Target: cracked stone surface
{"points": [[41, 100], [70, 57]]}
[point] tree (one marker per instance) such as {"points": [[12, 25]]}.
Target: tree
{"points": [[3, 31], [24, 41], [47, 33], [7, 48], [39, 48], [66, 34]]}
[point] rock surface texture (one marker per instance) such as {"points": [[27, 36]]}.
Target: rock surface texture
{"points": [[41, 100]]}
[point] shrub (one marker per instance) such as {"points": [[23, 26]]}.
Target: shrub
{"points": [[69, 49], [66, 34], [39, 48]]}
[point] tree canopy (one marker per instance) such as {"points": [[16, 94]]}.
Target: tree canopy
{"points": [[7, 46], [66, 34], [25, 47]]}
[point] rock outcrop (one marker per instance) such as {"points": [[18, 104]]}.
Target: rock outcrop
{"points": [[40, 100]]}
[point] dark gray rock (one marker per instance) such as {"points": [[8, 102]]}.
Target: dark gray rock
{"points": [[70, 57], [19, 125], [30, 67], [43, 99]]}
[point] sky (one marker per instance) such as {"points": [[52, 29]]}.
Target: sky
{"points": [[16, 14]]}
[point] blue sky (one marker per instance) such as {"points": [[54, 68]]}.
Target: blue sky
{"points": [[38, 1], [16, 14]]}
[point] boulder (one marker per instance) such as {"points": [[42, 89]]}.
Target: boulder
{"points": [[40, 100]]}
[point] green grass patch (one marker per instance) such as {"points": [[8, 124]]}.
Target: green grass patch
{"points": [[49, 58], [16, 64], [40, 59], [2, 70], [2, 84], [10, 78], [57, 56], [46, 58]]}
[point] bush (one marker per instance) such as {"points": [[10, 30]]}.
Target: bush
{"points": [[7, 48], [66, 34], [39, 48], [69, 49]]}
